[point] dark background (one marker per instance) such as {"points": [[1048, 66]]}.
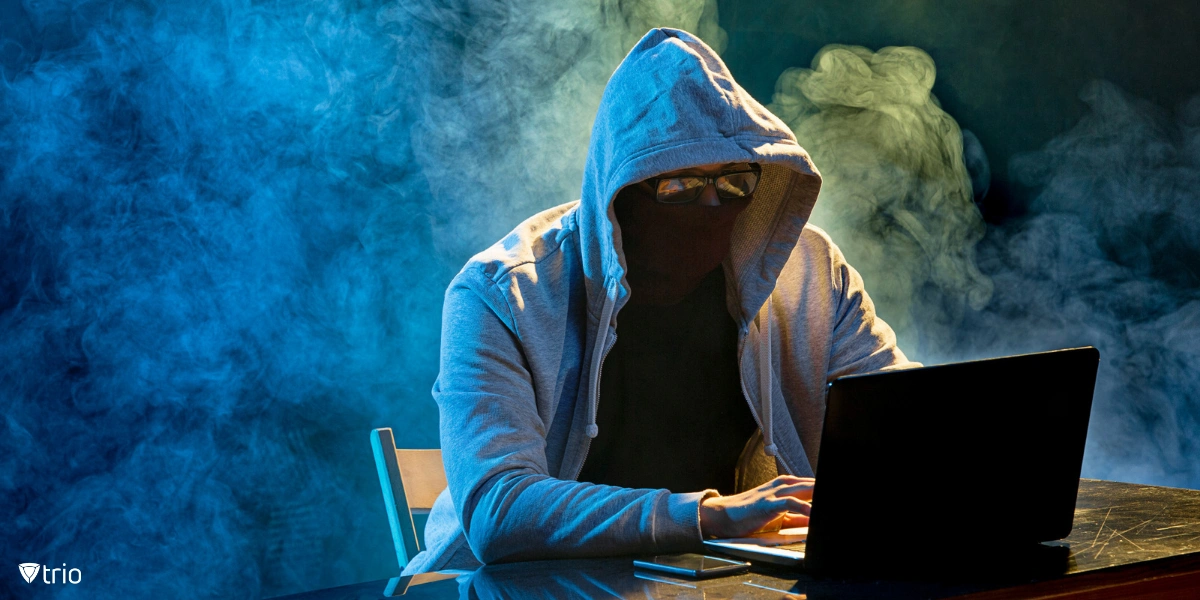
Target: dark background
{"points": [[225, 229]]}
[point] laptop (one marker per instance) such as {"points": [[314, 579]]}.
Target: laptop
{"points": [[932, 465]]}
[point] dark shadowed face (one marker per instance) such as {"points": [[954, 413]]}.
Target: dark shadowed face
{"points": [[669, 248]]}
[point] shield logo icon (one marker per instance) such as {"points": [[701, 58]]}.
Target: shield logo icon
{"points": [[29, 571]]}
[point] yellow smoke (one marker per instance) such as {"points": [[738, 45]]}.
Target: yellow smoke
{"points": [[897, 196]]}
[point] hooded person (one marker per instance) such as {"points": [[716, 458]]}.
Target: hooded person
{"points": [[560, 442]]}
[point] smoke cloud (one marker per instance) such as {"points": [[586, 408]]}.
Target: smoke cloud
{"points": [[1109, 258], [1107, 255], [897, 195], [227, 228]]}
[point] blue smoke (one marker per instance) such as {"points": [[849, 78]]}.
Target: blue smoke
{"points": [[226, 230], [216, 278], [1109, 256]]}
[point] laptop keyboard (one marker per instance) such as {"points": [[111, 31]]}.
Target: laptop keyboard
{"points": [[785, 539]]}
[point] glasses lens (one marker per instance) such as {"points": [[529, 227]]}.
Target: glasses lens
{"points": [[679, 189], [736, 185]]}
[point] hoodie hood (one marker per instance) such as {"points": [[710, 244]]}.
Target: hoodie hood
{"points": [[672, 104]]}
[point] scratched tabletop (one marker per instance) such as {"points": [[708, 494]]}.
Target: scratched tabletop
{"points": [[1122, 532], [1122, 523]]}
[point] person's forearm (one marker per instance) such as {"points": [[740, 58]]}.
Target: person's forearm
{"points": [[523, 516]]}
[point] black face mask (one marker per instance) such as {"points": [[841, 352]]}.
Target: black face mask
{"points": [[670, 248]]}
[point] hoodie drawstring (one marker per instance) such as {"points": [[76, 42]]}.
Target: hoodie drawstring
{"points": [[597, 356], [764, 377]]}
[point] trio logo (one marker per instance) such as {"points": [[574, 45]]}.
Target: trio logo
{"points": [[30, 572]]}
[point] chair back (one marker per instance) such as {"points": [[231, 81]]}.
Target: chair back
{"points": [[411, 481]]}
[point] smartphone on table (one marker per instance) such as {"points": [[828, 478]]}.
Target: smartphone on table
{"points": [[698, 566]]}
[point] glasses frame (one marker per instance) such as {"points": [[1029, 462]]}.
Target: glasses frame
{"points": [[708, 180]]}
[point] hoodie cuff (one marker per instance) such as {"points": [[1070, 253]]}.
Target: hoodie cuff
{"points": [[685, 511]]}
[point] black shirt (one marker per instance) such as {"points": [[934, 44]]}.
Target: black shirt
{"points": [[671, 413]]}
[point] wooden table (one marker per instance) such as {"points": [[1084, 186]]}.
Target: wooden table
{"points": [[1128, 541]]}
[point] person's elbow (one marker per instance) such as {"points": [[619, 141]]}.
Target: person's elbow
{"points": [[493, 523], [492, 541], [487, 547]]}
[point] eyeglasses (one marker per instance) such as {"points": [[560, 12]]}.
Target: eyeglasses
{"points": [[686, 188]]}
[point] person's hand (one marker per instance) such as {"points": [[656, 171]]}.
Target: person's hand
{"points": [[785, 497]]}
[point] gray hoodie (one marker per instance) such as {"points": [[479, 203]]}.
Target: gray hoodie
{"points": [[527, 322]]}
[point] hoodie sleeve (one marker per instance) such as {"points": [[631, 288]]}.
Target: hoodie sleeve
{"points": [[493, 446], [862, 342]]}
